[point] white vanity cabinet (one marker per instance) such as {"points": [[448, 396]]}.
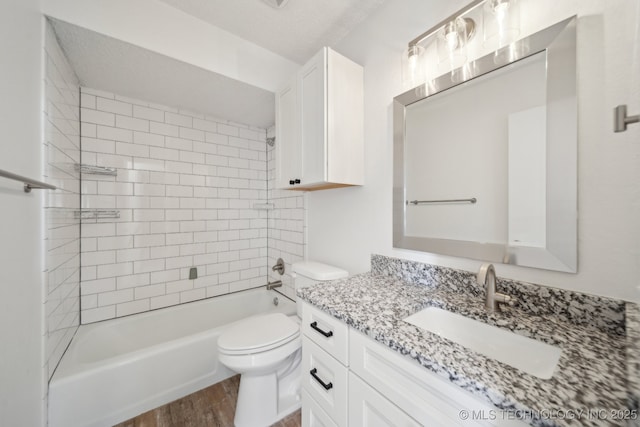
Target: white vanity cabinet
{"points": [[332, 395], [325, 372], [319, 125], [348, 379]]}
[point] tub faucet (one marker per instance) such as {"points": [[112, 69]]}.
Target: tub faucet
{"points": [[487, 277], [273, 285], [279, 267]]}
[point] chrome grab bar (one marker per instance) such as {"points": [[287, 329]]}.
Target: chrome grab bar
{"points": [[29, 184], [419, 202]]}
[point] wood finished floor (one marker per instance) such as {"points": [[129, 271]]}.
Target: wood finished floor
{"points": [[211, 407]]}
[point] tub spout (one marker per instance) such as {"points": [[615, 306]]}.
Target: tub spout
{"points": [[273, 285]]}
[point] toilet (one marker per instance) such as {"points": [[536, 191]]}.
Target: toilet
{"points": [[266, 351]]}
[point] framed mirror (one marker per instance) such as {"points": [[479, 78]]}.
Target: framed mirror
{"points": [[485, 157]]}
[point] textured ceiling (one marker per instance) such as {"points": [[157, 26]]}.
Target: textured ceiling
{"points": [[111, 65], [297, 31]]}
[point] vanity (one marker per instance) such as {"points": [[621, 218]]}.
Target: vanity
{"points": [[412, 344], [365, 364]]}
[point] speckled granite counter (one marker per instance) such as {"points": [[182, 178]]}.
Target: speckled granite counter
{"points": [[633, 356], [591, 374]]}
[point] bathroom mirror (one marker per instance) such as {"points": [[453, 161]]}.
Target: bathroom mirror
{"points": [[485, 157]]}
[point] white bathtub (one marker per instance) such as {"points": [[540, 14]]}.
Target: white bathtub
{"points": [[117, 369]]}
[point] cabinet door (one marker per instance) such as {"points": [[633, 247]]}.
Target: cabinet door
{"points": [[313, 415], [325, 380], [287, 150], [369, 408], [313, 106]]}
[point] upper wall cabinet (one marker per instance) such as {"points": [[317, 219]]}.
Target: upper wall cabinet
{"points": [[319, 125]]}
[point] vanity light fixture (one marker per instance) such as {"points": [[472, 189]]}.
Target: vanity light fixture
{"points": [[500, 22], [452, 41], [497, 20], [413, 72]]}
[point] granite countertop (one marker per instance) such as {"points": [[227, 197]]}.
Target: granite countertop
{"points": [[591, 374]]}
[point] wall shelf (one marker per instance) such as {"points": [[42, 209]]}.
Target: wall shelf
{"points": [[96, 170], [96, 214]]}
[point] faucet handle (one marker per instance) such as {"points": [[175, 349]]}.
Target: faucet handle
{"points": [[505, 299]]}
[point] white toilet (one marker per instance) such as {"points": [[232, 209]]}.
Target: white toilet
{"points": [[265, 350]]}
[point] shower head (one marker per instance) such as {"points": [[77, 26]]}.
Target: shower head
{"points": [[271, 141]]}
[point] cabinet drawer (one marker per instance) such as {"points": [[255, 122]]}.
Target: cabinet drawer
{"points": [[422, 394], [331, 334], [368, 408], [326, 381], [313, 415]]}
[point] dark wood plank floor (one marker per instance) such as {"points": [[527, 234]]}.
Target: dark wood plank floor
{"points": [[211, 407]]}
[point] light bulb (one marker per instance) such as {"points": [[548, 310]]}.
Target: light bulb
{"points": [[501, 20], [413, 67], [413, 62], [452, 40], [501, 10]]}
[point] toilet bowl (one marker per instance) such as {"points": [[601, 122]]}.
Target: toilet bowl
{"points": [[266, 351]]}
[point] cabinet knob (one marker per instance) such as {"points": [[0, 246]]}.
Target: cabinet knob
{"points": [[297, 181], [292, 182]]}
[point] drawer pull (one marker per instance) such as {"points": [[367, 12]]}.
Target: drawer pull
{"points": [[313, 373], [314, 325]]}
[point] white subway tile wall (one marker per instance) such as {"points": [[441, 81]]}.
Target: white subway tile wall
{"points": [[187, 189], [286, 226], [62, 237]]}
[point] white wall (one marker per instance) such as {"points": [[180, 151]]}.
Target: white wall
{"points": [[185, 190], [21, 260], [62, 238], [346, 225]]}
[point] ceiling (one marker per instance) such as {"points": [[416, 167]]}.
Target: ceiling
{"points": [[297, 31], [105, 63]]}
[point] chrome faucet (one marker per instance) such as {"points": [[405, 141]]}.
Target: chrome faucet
{"points": [[487, 277]]}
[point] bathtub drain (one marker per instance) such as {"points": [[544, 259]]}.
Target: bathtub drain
{"points": [[275, 301]]}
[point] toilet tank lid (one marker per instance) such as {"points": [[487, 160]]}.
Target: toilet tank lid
{"points": [[318, 271]]}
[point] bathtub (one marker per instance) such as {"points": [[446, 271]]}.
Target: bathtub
{"points": [[117, 369]]}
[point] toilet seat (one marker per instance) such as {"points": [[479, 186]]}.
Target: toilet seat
{"points": [[258, 334]]}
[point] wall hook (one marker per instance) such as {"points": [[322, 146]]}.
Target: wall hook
{"points": [[621, 120]]}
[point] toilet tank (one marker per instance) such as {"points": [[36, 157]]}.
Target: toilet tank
{"points": [[306, 273]]}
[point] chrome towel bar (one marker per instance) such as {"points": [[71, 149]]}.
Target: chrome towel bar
{"points": [[29, 184], [420, 202]]}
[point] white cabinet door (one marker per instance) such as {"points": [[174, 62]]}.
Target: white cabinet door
{"points": [[369, 408], [319, 126], [313, 125], [312, 414], [325, 380], [287, 150]]}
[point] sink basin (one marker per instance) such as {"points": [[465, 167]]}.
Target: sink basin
{"points": [[528, 355]]}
